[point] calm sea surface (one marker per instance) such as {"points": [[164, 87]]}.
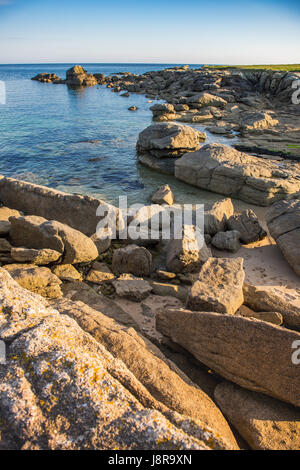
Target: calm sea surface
{"points": [[44, 129]]}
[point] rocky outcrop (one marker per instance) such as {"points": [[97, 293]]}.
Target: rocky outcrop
{"points": [[132, 259], [37, 232], [168, 140], [283, 220], [272, 299], [187, 252], [47, 78], [251, 353], [219, 287], [247, 224], [253, 121], [264, 423], [77, 76], [224, 170], [62, 389]]}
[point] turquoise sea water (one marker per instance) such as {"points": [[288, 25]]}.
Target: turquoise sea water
{"points": [[44, 129]]}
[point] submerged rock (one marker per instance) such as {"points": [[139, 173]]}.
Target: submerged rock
{"points": [[164, 195]]}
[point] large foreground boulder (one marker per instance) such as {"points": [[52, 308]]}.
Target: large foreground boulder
{"points": [[60, 388], [251, 353], [283, 220], [224, 170], [169, 140], [265, 423], [219, 287], [37, 232]]}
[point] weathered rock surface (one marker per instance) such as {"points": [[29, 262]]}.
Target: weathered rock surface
{"points": [[164, 195], [67, 272], [132, 259], [248, 225], [283, 220], [224, 170], [131, 287], [168, 140], [216, 216], [188, 252], [220, 286], [35, 279], [271, 317], [269, 299], [62, 389], [37, 232], [30, 255], [265, 423], [255, 121], [99, 273], [228, 241], [156, 382], [205, 99], [253, 354], [82, 292]]}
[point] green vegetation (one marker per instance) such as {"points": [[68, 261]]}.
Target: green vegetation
{"points": [[281, 68]]}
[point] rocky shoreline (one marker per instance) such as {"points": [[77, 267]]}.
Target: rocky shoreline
{"points": [[180, 351], [155, 344]]}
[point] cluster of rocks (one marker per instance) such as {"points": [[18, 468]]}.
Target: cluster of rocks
{"points": [[216, 167], [255, 106], [79, 351], [76, 76]]}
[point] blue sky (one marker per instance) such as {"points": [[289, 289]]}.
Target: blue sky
{"points": [[156, 31]]}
